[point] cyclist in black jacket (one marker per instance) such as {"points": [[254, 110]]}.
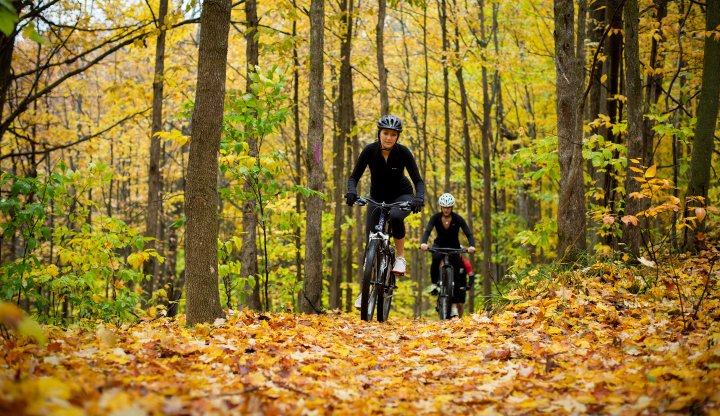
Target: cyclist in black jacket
{"points": [[387, 161], [447, 225]]}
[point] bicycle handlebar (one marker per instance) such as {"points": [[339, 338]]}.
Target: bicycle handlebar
{"points": [[447, 250], [402, 205]]}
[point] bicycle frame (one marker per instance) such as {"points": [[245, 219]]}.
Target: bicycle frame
{"points": [[446, 282], [378, 282]]}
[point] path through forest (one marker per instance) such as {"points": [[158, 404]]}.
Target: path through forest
{"points": [[581, 347]]}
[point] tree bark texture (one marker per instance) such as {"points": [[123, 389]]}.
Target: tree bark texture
{"points": [[203, 297], [571, 206], [487, 189], [7, 47], [311, 299], [707, 113], [345, 125], [154, 200], [634, 141], [614, 57], [442, 15], [382, 70], [249, 250], [466, 145]]}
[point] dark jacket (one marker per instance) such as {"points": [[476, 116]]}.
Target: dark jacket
{"points": [[387, 178], [448, 238]]}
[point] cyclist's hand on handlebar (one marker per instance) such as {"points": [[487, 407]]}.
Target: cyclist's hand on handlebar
{"points": [[423, 246], [350, 198], [471, 249], [416, 205]]}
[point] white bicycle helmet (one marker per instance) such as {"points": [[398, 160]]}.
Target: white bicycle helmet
{"points": [[446, 200]]}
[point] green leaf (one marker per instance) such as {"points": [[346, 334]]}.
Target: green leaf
{"points": [[31, 33], [8, 19], [21, 186]]}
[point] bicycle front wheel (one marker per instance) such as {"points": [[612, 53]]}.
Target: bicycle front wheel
{"points": [[385, 292], [445, 297], [367, 288]]}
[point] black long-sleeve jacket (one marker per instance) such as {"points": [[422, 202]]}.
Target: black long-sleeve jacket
{"points": [[449, 237], [387, 178]]}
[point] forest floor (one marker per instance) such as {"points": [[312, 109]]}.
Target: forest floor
{"points": [[581, 343]]}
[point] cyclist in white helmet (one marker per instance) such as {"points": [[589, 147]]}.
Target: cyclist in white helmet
{"points": [[447, 225]]}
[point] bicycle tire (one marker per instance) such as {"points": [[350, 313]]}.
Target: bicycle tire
{"points": [[367, 289], [445, 297], [385, 291]]}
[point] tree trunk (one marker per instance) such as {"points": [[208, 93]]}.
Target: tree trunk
{"points": [[466, 146], [614, 58], [249, 250], [597, 102], [298, 154], [635, 141], [571, 206], [7, 46], [442, 15], [707, 112], [154, 199], [203, 297], [653, 86], [311, 299], [487, 191], [382, 70], [345, 124], [528, 205]]}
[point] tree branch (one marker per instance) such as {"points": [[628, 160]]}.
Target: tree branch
{"points": [[80, 140]]}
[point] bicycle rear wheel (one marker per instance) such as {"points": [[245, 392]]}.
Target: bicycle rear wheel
{"points": [[367, 289], [445, 297], [385, 291]]}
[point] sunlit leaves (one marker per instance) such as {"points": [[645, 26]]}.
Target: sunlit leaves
{"points": [[586, 345]]}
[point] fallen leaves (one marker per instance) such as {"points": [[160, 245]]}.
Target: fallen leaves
{"points": [[588, 348]]}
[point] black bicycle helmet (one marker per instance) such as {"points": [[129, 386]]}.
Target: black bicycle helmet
{"points": [[390, 122]]}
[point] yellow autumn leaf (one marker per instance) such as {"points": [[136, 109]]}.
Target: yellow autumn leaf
{"points": [[136, 260], [554, 330], [651, 171], [30, 328]]}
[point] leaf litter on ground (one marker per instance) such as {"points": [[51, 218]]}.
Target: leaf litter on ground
{"points": [[588, 346]]}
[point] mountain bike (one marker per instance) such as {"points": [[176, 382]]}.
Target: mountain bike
{"points": [[378, 282], [446, 282]]}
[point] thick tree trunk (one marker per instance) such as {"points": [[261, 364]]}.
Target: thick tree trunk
{"points": [[707, 112], [203, 297], [571, 206], [154, 199], [311, 299], [635, 142], [249, 250]]}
